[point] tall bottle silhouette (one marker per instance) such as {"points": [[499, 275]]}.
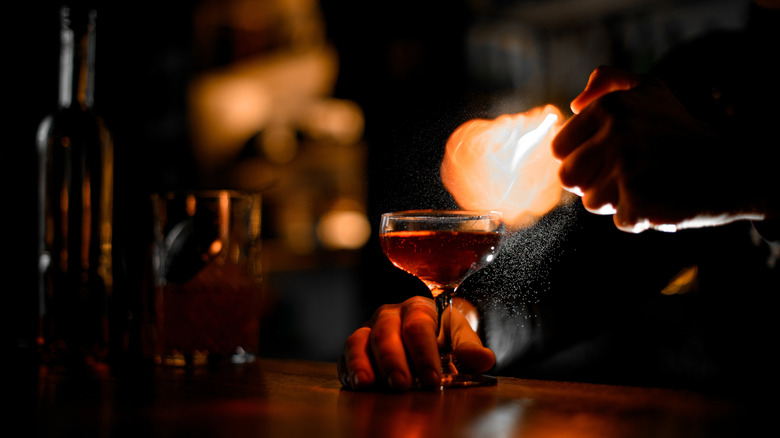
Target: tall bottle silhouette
{"points": [[75, 206]]}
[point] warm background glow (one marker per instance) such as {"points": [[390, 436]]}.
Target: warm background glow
{"points": [[338, 110]]}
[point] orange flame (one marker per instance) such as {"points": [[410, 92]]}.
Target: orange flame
{"points": [[505, 164]]}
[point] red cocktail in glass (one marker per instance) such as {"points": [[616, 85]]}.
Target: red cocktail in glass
{"points": [[442, 248]]}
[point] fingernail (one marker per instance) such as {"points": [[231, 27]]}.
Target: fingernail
{"points": [[356, 378], [396, 380]]}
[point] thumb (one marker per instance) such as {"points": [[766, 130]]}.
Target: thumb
{"points": [[467, 346]]}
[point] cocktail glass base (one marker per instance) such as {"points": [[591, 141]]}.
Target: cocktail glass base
{"points": [[450, 380]]}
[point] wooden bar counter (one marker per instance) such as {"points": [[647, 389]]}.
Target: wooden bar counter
{"points": [[285, 398]]}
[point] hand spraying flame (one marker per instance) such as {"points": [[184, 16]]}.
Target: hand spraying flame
{"points": [[505, 164]]}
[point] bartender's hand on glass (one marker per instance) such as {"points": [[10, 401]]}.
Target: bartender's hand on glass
{"points": [[633, 151], [398, 347]]}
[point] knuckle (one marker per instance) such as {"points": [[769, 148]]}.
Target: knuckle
{"points": [[418, 327], [419, 303], [386, 308], [357, 339], [601, 70], [597, 205], [611, 103], [564, 175], [380, 333], [381, 312], [419, 300]]}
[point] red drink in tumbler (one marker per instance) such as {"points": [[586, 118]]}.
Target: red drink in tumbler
{"points": [[215, 313]]}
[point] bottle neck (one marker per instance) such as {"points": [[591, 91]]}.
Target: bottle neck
{"points": [[77, 58]]}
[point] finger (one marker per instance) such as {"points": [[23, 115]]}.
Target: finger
{"points": [[388, 349], [467, 346], [603, 207], [580, 170], [576, 131], [602, 195], [626, 217], [419, 336], [634, 226], [631, 219], [604, 80], [355, 368]]}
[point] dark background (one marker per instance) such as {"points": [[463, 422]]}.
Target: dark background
{"points": [[417, 69]]}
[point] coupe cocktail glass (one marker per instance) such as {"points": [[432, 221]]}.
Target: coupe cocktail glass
{"points": [[442, 248]]}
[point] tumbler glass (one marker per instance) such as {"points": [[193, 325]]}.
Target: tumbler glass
{"points": [[206, 267]]}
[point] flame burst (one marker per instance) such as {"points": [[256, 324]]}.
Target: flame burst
{"points": [[505, 164]]}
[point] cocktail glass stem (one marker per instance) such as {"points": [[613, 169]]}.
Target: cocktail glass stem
{"points": [[443, 297]]}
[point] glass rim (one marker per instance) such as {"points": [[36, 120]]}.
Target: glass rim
{"points": [[206, 194], [419, 214]]}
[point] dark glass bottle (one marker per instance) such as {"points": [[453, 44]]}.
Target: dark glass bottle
{"points": [[75, 206]]}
